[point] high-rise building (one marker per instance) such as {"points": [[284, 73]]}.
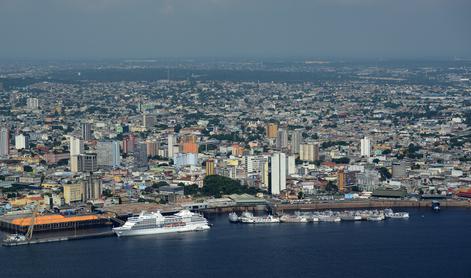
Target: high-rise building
{"points": [[309, 152], [237, 150], [92, 188], [210, 167], [365, 147], [399, 170], [291, 164], [272, 130], [140, 156], [171, 141], [21, 141], [87, 162], [265, 173], [73, 193], [152, 148], [190, 147], [86, 131], [108, 154], [4, 141], [149, 121], [341, 180], [282, 139], [278, 173], [32, 103], [296, 140], [76, 146], [128, 144]]}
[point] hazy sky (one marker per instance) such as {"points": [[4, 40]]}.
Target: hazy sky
{"points": [[175, 28]]}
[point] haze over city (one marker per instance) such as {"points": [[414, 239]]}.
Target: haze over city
{"points": [[69, 29], [235, 138]]}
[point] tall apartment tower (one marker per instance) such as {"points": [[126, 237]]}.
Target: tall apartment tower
{"points": [[171, 141], [296, 140], [108, 154], [32, 103], [272, 130], [210, 168], [4, 142], [86, 131], [309, 152], [76, 148], [21, 141], [278, 173], [149, 121], [365, 147], [282, 139], [140, 156]]}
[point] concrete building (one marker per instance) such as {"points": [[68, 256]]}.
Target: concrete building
{"points": [[21, 141], [73, 193], [92, 188], [149, 121], [108, 154], [140, 157], [4, 142], [278, 173], [309, 152], [296, 140], [32, 103], [365, 147], [272, 130], [171, 142], [210, 167], [291, 164], [282, 139], [86, 129]]}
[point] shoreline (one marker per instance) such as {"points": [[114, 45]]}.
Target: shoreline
{"points": [[360, 204]]}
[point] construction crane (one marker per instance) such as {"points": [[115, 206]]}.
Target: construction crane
{"points": [[29, 233]]}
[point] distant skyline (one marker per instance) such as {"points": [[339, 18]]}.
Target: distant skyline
{"points": [[102, 29]]}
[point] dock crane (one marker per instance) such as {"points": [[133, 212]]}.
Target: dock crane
{"points": [[29, 233]]}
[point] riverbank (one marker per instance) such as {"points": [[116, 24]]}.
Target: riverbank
{"points": [[342, 204]]}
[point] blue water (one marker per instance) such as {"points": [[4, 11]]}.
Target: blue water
{"points": [[427, 245]]}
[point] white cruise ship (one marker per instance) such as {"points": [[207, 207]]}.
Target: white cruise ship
{"points": [[155, 223]]}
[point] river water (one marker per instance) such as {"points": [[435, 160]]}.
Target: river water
{"points": [[427, 245]]}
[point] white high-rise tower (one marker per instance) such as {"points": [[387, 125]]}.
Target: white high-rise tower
{"points": [[278, 173], [365, 147]]}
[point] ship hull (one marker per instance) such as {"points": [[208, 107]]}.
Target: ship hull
{"points": [[154, 231]]}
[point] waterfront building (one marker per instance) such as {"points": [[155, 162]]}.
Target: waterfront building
{"points": [[92, 188], [341, 180], [73, 193], [365, 147], [278, 173]]}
